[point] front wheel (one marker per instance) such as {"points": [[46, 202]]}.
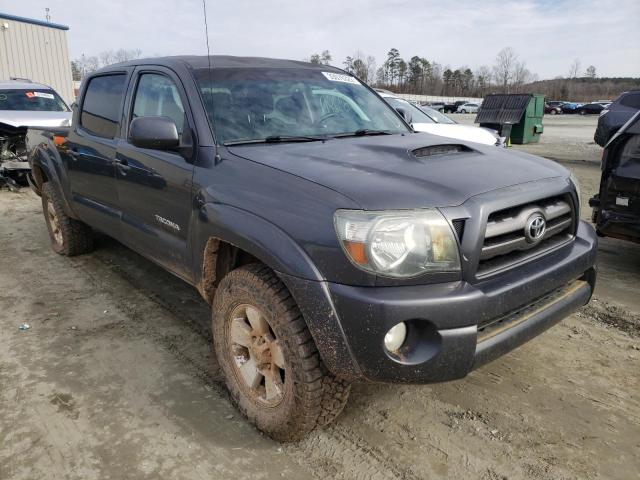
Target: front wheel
{"points": [[270, 363], [552, 112], [463, 111], [583, 112]]}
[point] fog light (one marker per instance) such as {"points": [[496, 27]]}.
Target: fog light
{"points": [[395, 337]]}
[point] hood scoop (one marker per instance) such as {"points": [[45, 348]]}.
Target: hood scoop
{"points": [[438, 150]]}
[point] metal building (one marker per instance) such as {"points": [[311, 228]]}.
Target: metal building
{"points": [[36, 50]]}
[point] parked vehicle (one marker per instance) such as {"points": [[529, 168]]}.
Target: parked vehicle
{"points": [[616, 207], [571, 107], [555, 103], [23, 104], [439, 106], [427, 120], [333, 242], [590, 109], [615, 115], [468, 108], [453, 107], [552, 109]]}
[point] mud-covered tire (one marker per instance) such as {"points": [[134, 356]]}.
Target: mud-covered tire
{"points": [[68, 236], [310, 396]]}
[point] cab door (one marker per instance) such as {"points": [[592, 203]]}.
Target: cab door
{"points": [[90, 151], [154, 186]]}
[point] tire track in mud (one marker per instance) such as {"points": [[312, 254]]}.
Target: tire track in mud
{"points": [[333, 452], [339, 452]]}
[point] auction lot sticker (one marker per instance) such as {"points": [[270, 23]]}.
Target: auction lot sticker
{"points": [[40, 95], [339, 77]]}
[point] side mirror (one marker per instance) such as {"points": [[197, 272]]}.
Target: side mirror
{"points": [[157, 133], [406, 114]]}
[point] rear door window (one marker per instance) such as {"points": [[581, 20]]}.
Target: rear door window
{"points": [[102, 105], [631, 100]]}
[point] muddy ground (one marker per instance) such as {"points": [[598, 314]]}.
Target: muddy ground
{"points": [[115, 379]]}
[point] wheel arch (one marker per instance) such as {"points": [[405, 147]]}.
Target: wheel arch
{"points": [[227, 237]]}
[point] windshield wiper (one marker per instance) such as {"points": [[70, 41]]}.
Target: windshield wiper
{"points": [[364, 132], [279, 138]]}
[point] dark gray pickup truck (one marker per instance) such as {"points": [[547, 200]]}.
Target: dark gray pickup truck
{"points": [[333, 243]]}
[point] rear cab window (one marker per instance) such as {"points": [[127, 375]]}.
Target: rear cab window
{"points": [[102, 105]]}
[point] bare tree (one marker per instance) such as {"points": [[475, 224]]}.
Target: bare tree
{"points": [[483, 80], [521, 75], [321, 58], [574, 69], [590, 72], [504, 67]]}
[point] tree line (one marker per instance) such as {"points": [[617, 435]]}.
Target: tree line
{"points": [[418, 75], [508, 74]]}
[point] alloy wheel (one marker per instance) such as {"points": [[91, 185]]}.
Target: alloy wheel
{"points": [[257, 355], [56, 231]]}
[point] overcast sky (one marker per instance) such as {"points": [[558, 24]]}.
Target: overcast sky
{"points": [[548, 35]]}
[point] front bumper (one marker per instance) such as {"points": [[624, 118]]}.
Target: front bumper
{"points": [[457, 326]]}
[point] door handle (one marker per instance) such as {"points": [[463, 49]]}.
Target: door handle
{"points": [[123, 165], [74, 154]]}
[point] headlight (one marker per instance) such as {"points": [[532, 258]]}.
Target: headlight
{"points": [[400, 244], [576, 185]]}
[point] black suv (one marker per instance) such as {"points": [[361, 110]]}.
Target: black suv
{"points": [[615, 115]]}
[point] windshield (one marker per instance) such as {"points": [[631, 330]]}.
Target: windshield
{"points": [[43, 100], [254, 104], [436, 116], [417, 115]]}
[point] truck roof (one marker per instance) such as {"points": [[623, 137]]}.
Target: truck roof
{"points": [[222, 61]]}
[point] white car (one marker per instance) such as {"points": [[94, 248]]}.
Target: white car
{"points": [[427, 120], [468, 108]]}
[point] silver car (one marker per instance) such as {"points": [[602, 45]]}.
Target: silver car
{"points": [[24, 104]]}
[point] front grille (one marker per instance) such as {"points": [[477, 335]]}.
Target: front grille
{"points": [[507, 242]]}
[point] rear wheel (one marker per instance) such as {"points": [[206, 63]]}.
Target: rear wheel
{"points": [[552, 112], [68, 236], [583, 112], [270, 363], [463, 111]]}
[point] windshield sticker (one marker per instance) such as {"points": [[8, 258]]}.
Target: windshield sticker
{"points": [[339, 77], [40, 95]]}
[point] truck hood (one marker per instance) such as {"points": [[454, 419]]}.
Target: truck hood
{"points": [[454, 130], [381, 172], [31, 118]]}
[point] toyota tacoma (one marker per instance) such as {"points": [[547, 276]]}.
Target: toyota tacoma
{"points": [[333, 242]]}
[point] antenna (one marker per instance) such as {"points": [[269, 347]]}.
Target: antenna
{"points": [[206, 32]]}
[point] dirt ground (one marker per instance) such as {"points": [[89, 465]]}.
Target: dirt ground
{"points": [[115, 379]]}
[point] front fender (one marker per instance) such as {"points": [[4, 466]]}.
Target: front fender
{"points": [[273, 247], [253, 234]]}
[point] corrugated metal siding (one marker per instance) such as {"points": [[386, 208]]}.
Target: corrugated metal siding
{"points": [[36, 52]]}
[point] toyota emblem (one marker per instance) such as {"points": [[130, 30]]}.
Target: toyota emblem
{"points": [[535, 228]]}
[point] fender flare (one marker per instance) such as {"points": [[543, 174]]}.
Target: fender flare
{"points": [[40, 157], [273, 247], [253, 234]]}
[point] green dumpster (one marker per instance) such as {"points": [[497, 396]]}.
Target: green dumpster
{"points": [[518, 116], [529, 128]]}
